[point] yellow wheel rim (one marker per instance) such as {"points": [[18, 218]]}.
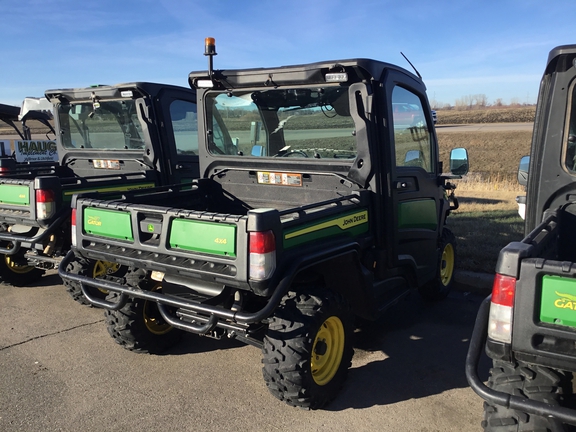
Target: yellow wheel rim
{"points": [[152, 318], [103, 268], [447, 264], [327, 350], [15, 268]]}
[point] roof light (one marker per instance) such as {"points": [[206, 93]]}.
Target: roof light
{"points": [[126, 93], [336, 77], [204, 83]]}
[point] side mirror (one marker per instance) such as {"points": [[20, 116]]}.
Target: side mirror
{"points": [[459, 161], [523, 170], [413, 158], [257, 150]]}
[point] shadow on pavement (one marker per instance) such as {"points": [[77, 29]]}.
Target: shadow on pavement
{"points": [[425, 345]]}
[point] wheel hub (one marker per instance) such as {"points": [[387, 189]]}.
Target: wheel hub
{"points": [[327, 350]]}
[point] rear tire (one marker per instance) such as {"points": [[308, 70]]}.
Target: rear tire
{"points": [[308, 349], [534, 382], [17, 274], [138, 326], [94, 269], [439, 287]]}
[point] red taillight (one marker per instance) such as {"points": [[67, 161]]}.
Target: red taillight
{"points": [[45, 203], [262, 242], [73, 218], [501, 309], [45, 196], [262, 246], [503, 290], [73, 226]]}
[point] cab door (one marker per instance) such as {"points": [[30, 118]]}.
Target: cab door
{"points": [[181, 128], [414, 188]]}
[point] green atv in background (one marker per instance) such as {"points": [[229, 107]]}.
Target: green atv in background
{"points": [[109, 138], [314, 204], [528, 325]]}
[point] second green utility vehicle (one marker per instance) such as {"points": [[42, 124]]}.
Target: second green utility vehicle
{"points": [[109, 138]]}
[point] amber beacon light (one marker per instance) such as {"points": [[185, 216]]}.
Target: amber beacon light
{"points": [[210, 46]]}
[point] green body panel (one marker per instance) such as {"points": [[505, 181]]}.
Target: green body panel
{"points": [[418, 214], [108, 223], [354, 223], [14, 194], [67, 195], [208, 237], [558, 305]]}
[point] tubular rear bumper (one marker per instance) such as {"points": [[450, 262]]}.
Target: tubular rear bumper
{"points": [[208, 316], [214, 316], [17, 240], [477, 343]]}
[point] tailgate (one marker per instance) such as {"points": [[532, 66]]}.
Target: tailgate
{"points": [[184, 242], [545, 313], [17, 201]]}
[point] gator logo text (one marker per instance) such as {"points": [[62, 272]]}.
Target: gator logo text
{"points": [[566, 301], [94, 220]]}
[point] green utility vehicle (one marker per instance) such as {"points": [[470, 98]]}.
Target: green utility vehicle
{"points": [[528, 325], [109, 138], [315, 204]]}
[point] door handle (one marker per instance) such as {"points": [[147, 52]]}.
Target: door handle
{"points": [[403, 185], [183, 166]]}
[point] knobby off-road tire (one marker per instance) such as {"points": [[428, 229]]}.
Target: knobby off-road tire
{"points": [[439, 287], [533, 382], [18, 275], [94, 269], [138, 326], [308, 348]]}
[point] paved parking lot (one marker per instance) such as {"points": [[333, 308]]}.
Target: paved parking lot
{"points": [[61, 371]]}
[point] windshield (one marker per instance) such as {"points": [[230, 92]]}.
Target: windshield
{"points": [[104, 125], [299, 122]]}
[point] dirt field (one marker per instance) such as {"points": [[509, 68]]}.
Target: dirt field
{"points": [[488, 115]]}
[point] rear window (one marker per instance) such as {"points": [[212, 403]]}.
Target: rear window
{"points": [[105, 125], [290, 122]]}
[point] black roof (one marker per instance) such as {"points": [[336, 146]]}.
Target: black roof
{"points": [[112, 91], [312, 73]]}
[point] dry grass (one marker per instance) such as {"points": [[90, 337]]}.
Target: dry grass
{"points": [[494, 156], [486, 221]]}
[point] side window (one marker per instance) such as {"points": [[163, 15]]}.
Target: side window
{"points": [[413, 143], [185, 126]]}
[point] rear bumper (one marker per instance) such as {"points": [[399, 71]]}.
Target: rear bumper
{"points": [[18, 241], [209, 316], [477, 343]]}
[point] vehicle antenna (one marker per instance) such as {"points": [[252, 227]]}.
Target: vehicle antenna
{"points": [[415, 70]]}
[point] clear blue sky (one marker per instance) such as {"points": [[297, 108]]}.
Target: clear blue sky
{"points": [[461, 48]]}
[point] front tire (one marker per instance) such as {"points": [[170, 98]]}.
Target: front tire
{"points": [[439, 287], [534, 382], [138, 326], [18, 274], [308, 349]]}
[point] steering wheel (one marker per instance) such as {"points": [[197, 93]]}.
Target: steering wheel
{"points": [[294, 152]]}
